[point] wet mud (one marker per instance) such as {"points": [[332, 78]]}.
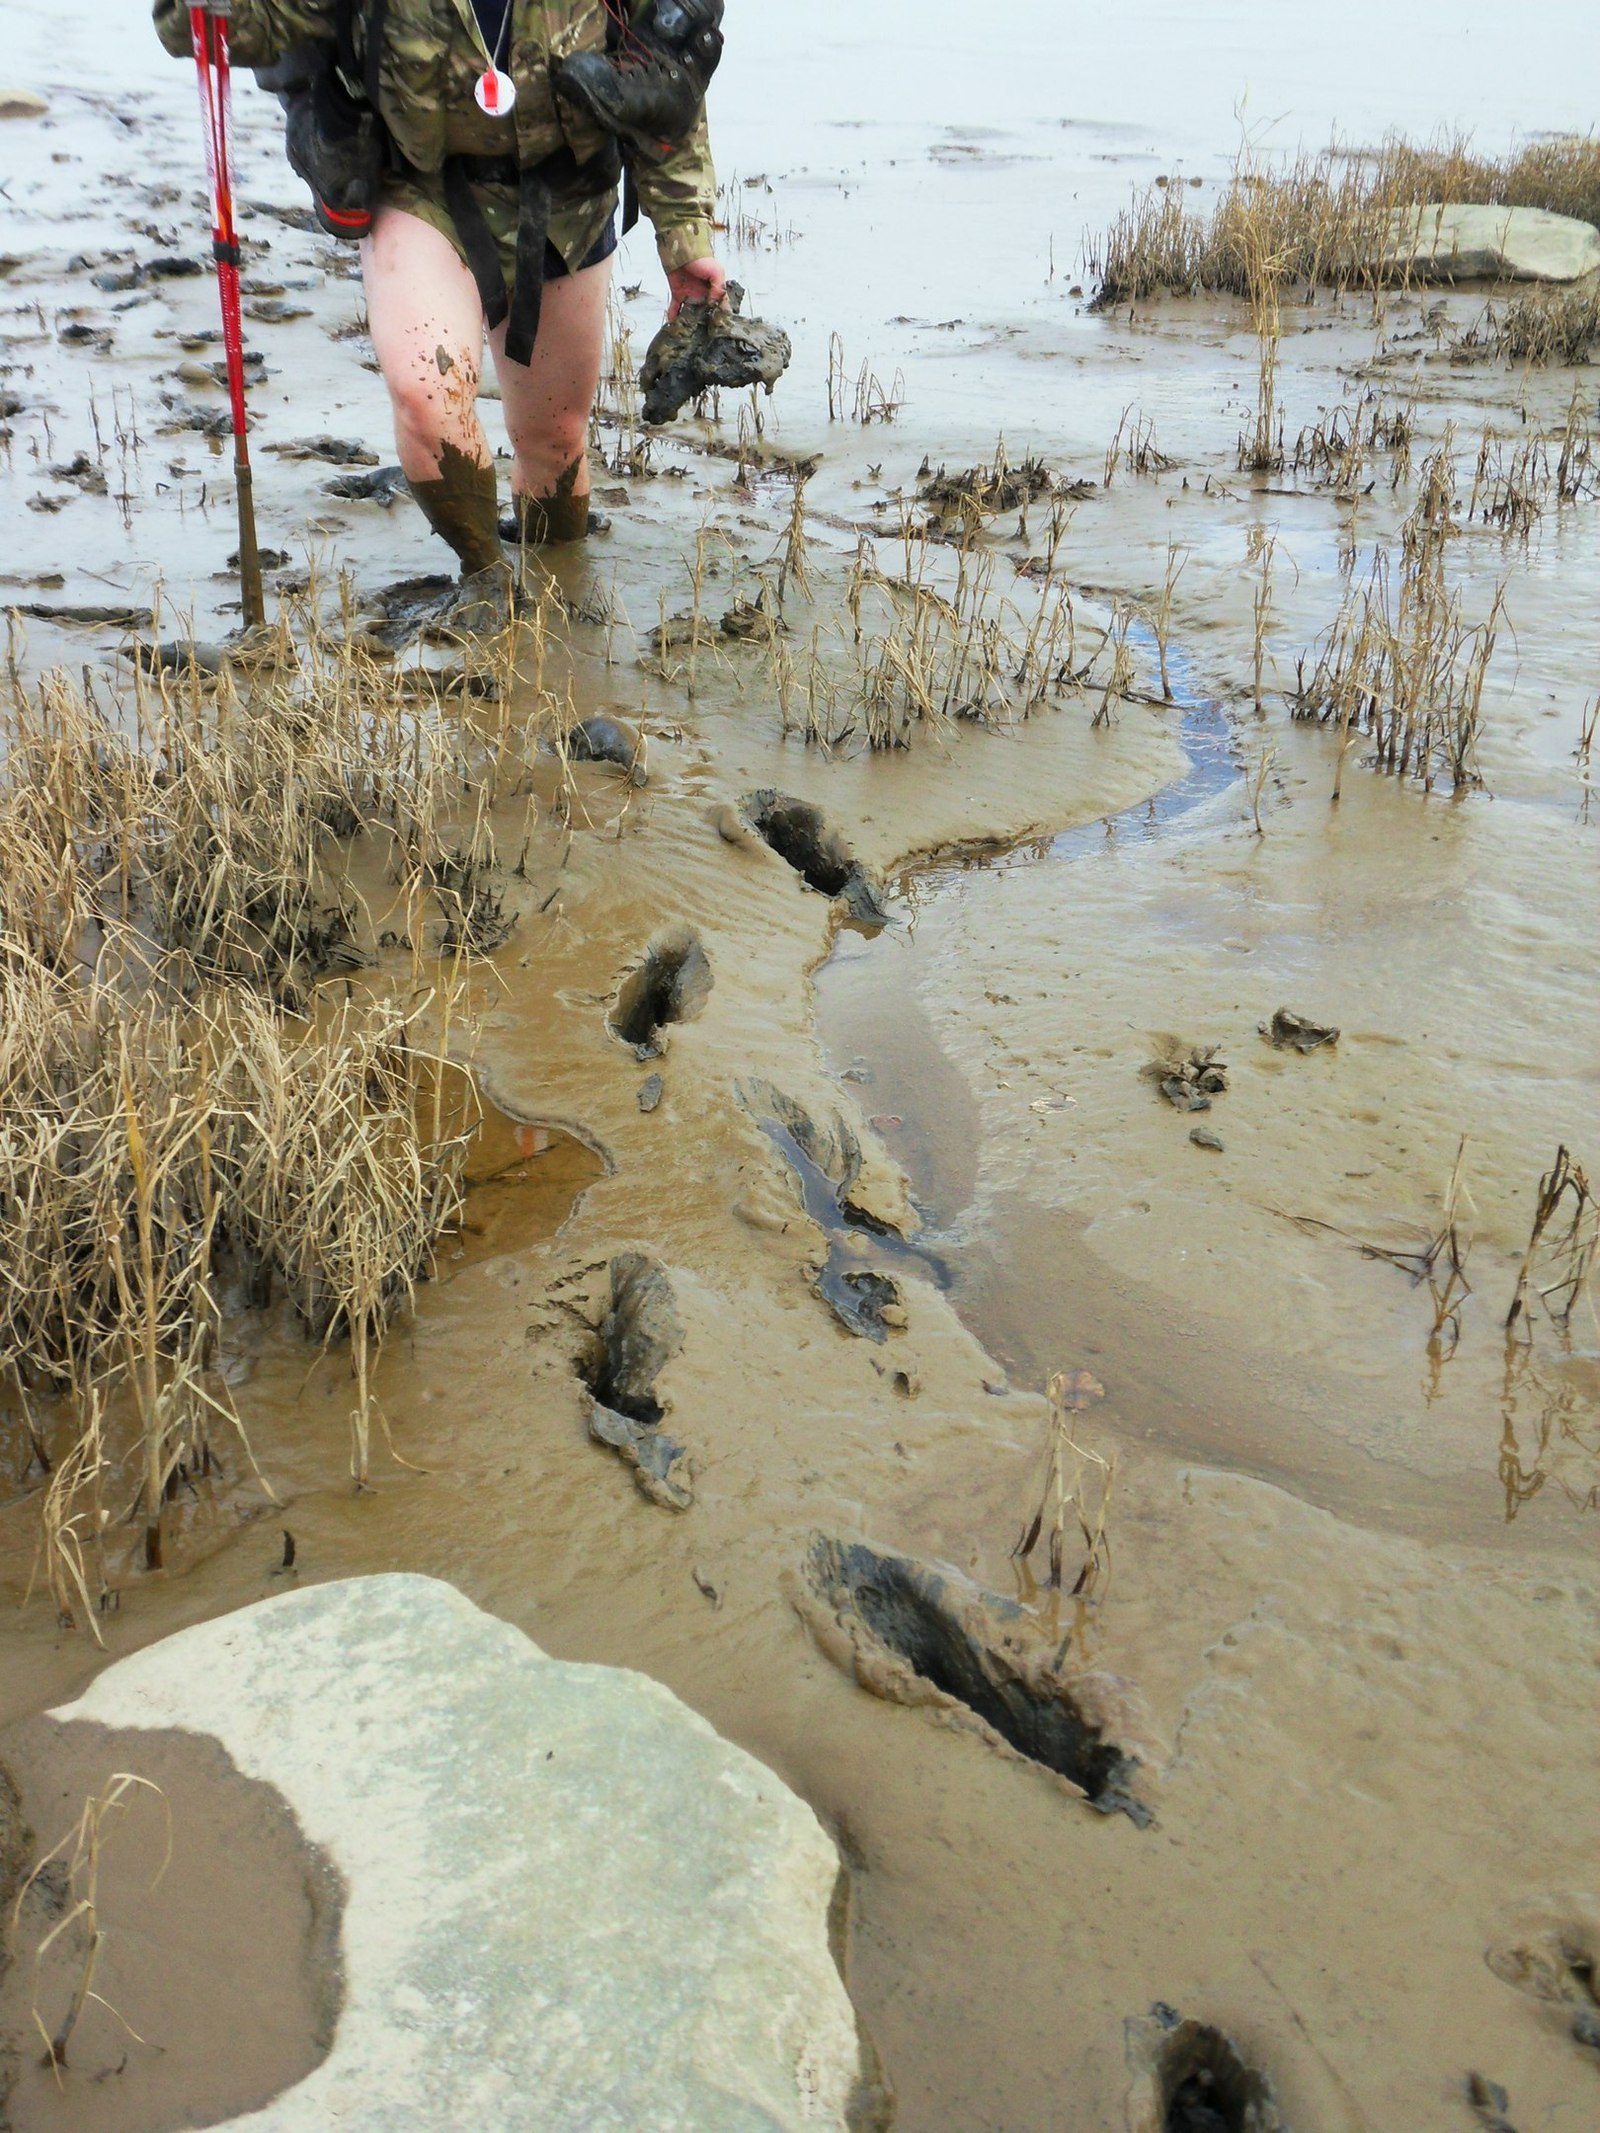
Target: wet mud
{"points": [[1191, 2078], [1331, 1553], [799, 833]]}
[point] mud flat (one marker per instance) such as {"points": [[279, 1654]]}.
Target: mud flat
{"points": [[840, 1194]]}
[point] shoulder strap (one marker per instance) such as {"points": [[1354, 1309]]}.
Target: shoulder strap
{"points": [[344, 36], [377, 23]]}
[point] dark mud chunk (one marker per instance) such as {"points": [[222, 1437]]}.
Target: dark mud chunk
{"points": [[672, 984], [864, 1302], [378, 485], [1554, 1956], [1191, 2078], [651, 1092], [706, 346], [603, 739], [1188, 1075], [1491, 2103], [798, 832], [638, 1335], [336, 451], [1289, 1032], [912, 1634]]}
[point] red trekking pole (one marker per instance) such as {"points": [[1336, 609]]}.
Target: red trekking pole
{"points": [[209, 27]]}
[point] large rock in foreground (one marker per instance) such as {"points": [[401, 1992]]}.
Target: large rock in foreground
{"points": [[570, 1903], [1436, 243]]}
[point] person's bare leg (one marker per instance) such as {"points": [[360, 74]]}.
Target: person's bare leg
{"points": [[547, 404], [426, 323]]}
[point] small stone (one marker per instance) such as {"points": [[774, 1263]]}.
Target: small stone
{"points": [[22, 103], [1206, 1137], [893, 1314], [650, 1093]]}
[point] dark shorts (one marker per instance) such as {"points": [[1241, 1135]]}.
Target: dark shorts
{"points": [[555, 267]]}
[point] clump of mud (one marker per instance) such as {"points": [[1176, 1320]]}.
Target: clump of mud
{"points": [[637, 1337], [671, 984], [800, 834], [1191, 2078], [913, 1635], [708, 346]]}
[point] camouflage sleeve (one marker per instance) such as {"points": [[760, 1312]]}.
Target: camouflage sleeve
{"points": [[259, 31], [680, 197]]}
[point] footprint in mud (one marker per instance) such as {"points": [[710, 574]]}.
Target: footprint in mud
{"points": [[1553, 1955], [636, 1338], [671, 984], [914, 1635], [798, 832], [1190, 2078], [826, 1164]]}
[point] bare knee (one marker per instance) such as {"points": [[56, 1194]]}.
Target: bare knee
{"points": [[434, 405]]}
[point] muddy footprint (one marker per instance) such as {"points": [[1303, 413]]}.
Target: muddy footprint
{"points": [[637, 1336], [671, 984], [914, 1635], [798, 832], [1553, 1955], [1190, 2078]]}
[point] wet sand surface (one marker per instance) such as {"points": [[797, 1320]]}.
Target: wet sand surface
{"points": [[1362, 1691]]}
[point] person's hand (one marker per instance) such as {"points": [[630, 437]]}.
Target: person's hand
{"points": [[702, 281]]}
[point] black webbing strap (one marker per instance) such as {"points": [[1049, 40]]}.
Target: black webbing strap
{"points": [[344, 42], [477, 239], [630, 196], [533, 233]]}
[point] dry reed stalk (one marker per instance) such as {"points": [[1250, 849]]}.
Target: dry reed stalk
{"points": [[1563, 1252], [1077, 1487], [80, 1852], [1400, 664]]}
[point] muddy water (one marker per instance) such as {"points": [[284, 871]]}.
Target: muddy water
{"points": [[1366, 1703]]}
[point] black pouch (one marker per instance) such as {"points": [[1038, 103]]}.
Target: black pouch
{"points": [[334, 139]]}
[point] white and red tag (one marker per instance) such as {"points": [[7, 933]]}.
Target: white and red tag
{"points": [[496, 93]]}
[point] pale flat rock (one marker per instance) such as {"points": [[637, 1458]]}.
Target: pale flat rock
{"points": [[570, 1904], [1438, 243], [22, 103]]}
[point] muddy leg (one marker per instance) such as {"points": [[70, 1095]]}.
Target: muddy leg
{"points": [[547, 404], [427, 331]]}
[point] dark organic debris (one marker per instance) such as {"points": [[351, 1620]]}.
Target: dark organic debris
{"points": [[604, 739], [270, 558], [177, 655], [86, 617], [1187, 1076], [914, 1635], [1491, 2103], [863, 1301], [337, 451], [707, 346], [83, 472], [189, 415], [636, 1338], [671, 984], [380, 485], [409, 598], [798, 832], [1289, 1032], [983, 491]]}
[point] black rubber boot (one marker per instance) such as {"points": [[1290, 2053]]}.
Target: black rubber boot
{"points": [[651, 90]]}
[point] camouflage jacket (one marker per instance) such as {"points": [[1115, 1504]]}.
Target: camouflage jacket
{"points": [[431, 60]]}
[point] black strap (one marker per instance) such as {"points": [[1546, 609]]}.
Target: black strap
{"points": [[344, 39], [377, 22], [630, 196], [533, 233], [477, 240]]}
